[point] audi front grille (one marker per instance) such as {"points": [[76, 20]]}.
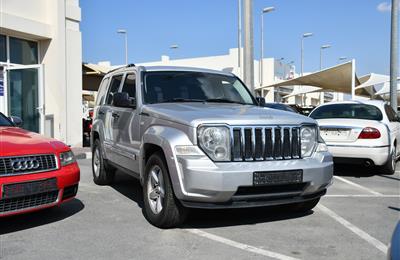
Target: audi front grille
{"points": [[18, 165], [28, 202], [259, 143]]}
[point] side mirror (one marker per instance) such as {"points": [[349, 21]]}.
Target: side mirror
{"points": [[261, 101], [122, 99], [16, 121]]}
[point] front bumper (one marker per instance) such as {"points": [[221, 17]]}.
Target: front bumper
{"points": [[201, 183], [378, 155], [67, 179]]}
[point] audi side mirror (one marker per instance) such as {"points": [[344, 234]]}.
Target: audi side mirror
{"points": [[122, 99], [260, 101], [17, 121]]}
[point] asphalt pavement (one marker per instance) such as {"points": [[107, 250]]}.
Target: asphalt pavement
{"points": [[355, 220]]}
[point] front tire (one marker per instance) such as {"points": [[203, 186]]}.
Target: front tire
{"points": [[390, 167], [103, 174], [161, 208]]}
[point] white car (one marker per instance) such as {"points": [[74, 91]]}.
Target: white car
{"points": [[360, 132]]}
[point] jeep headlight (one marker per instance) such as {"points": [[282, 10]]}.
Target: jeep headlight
{"points": [[215, 142], [308, 136], [67, 158]]}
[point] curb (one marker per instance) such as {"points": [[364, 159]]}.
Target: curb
{"points": [[83, 156]]}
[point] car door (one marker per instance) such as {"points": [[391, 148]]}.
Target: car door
{"points": [[128, 136], [393, 125], [110, 118]]}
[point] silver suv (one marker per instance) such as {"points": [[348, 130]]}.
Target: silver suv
{"points": [[197, 138]]}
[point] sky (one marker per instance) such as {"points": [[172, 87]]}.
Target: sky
{"points": [[358, 29]]}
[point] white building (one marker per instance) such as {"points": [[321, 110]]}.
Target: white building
{"points": [[40, 66]]}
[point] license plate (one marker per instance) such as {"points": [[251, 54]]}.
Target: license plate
{"points": [[277, 177], [335, 133], [29, 188]]}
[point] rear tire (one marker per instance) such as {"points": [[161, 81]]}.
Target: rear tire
{"points": [[161, 208], [306, 206], [390, 167], [103, 174]]}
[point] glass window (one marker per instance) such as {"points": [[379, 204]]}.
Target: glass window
{"points": [[352, 111], [184, 86], [114, 86], [102, 91], [23, 51], [130, 85], [3, 48]]}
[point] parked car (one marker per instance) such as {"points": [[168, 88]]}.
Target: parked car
{"points": [[87, 128], [35, 172], [360, 132], [197, 138], [394, 246], [281, 106]]}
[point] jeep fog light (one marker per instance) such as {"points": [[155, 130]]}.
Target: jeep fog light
{"points": [[308, 140], [215, 142]]}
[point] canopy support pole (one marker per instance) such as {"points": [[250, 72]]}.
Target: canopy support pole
{"points": [[353, 78]]}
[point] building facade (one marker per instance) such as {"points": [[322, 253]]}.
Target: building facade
{"points": [[41, 66]]}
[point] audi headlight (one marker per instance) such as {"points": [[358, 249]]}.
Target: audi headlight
{"points": [[67, 158], [215, 142], [308, 136]]}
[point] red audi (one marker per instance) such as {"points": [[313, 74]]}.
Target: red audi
{"points": [[35, 172]]}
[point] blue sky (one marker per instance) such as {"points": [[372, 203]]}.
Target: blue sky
{"points": [[357, 29]]}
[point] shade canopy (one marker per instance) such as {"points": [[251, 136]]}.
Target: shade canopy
{"points": [[92, 76], [338, 79]]}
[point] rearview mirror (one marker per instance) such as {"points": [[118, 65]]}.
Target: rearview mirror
{"points": [[16, 121], [261, 101], [122, 99]]}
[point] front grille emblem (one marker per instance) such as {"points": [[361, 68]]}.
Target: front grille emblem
{"points": [[23, 164]]}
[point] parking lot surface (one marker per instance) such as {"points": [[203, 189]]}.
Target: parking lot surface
{"points": [[355, 220]]}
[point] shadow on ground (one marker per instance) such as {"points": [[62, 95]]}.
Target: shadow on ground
{"points": [[129, 187], [357, 171], [39, 218]]}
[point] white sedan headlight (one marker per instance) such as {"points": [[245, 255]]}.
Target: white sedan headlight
{"points": [[67, 158], [308, 136], [215, 142]]}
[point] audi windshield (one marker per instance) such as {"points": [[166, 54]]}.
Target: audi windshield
{"points": [[4, 121], [186, 86]]}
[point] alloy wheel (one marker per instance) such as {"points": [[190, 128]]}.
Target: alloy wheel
{"points": [[155, 189], [96, 162]]}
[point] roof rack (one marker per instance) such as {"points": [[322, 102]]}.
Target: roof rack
{"points": [[126, 66]]}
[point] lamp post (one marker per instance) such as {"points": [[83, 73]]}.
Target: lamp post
{"points": [[240, 37], [342, 59], [394, 53], [125, 33], [305, 35], [323, 47], [248, 45], [264, 11]]}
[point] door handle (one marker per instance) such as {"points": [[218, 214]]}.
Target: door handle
{"points": [[115, 115]]}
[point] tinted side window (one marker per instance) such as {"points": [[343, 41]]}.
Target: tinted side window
{"points": [[114, 86], [130, 85], [390, 113], [102, 91]]}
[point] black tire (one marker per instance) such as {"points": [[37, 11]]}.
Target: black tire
{"points": [[306, 206], [172, 213], [390, 166], [106, 173]]}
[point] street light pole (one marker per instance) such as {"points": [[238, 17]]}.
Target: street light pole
{"points": [[342, 58], [326, 46], [394, 52], [248, 61], [240, 37], [264, 11], [125, 33], [305, 35]]}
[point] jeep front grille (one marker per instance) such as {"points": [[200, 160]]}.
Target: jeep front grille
{"points": [[18, 165], [265, 143]]}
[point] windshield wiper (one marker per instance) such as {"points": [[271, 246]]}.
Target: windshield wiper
{"points": [[181, 100], [223, 100]]}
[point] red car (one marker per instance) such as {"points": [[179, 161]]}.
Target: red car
{"points": [[35, 172]]}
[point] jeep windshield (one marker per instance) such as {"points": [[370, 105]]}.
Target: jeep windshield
{"points": [[186, 86], [4, 121]]}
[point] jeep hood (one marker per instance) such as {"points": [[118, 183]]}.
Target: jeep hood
{"points": [[195, 114]]}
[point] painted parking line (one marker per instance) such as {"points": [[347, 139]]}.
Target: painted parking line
{"points": [[357, 185], [238, 245], [362, 196], [359, 232]]}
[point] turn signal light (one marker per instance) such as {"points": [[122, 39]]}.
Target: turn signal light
{"points": [[369, 133]]}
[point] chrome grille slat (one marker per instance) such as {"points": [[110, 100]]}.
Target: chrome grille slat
{"points": [[47, 162], [258, 143]]}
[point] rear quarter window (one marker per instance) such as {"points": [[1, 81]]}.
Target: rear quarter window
{"points": [[102, 91], [351, 111]]}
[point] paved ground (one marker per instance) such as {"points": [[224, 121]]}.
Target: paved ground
{"points": [[354, 221]]}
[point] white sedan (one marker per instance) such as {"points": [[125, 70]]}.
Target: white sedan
{"points": [[360, 132]]}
